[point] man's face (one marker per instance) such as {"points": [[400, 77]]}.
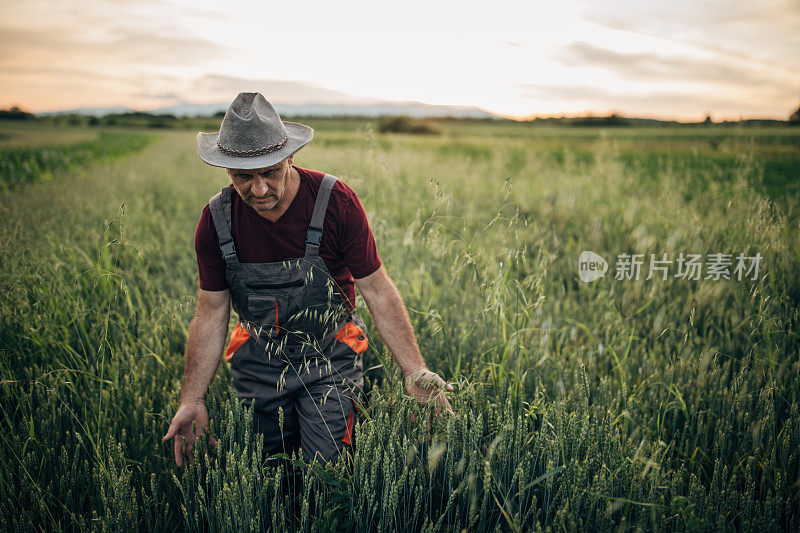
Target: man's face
{"points": [[262, 188]]}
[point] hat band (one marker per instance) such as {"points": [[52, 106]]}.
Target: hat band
{"points": [[258, 151]]}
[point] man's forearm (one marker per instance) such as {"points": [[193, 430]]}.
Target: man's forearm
{"points": [[394, 326], [207, 334]]}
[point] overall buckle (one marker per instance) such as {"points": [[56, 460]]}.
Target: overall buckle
{"points": [[228, 249], [314, 236]]}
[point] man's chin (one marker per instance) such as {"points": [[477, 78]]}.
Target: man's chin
{"points": [[263, 206]]}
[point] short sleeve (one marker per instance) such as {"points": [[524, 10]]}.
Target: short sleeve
{"points": [[210, 265], [358, 248]]}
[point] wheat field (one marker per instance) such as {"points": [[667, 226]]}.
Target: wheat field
{"points": [[616, 405]]}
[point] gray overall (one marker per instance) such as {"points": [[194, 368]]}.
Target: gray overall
{"points": [[296, 353]]}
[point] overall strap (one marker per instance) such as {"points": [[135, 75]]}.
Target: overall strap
{"points": [[314, 233], [220, 207]]}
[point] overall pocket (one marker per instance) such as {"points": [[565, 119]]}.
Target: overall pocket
{"points": [[238, 338], [353, 336], [283, 285], [268, 311]]}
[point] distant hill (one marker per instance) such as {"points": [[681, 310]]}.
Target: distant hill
{"points": [[120, 115], [615, 121], [88, 111], [412, 109]]}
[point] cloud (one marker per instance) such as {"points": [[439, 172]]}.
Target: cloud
{"points": [[49, 88], [691, 15], [139, 46], [133, 47], [217, 87], [150, 53], [645, 66], [62, 73], [767, 31], [169, 96], [582, 98]]}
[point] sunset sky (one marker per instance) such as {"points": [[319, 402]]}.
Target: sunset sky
{"points": [[679, 59]]}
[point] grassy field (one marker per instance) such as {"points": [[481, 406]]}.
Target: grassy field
{"points": [[620, 404], [22, 134], [27, 155]]}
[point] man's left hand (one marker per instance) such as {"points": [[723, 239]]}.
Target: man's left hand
{"points": [[426, 386]]}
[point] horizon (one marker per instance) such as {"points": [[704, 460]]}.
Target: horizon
{"points": [[730, 60], [530, 118]]}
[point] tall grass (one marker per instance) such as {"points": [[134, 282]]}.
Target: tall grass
{"points": [[19, 166], [669, 405]]}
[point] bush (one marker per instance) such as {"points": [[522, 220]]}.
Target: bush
{"points": [[406, 125], [613, 120], [15, 113]]}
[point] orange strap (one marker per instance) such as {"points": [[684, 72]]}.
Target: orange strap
{"points": [[348, 433], [238, 337]]}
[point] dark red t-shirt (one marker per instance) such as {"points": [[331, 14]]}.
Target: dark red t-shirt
{"points": [[348, 247]]}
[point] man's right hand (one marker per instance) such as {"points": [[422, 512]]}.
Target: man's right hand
{"points": [[204, 346], [182, 431]]}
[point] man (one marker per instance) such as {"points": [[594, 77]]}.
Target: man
{"points": [[285, 246]]}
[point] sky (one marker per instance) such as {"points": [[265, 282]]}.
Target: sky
{"points": [[681, 59]]}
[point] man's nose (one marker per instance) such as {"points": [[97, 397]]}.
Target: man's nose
{"points": [[260, 187]]}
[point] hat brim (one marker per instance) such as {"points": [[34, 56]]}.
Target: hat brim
{"points": [[299, 135]]}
